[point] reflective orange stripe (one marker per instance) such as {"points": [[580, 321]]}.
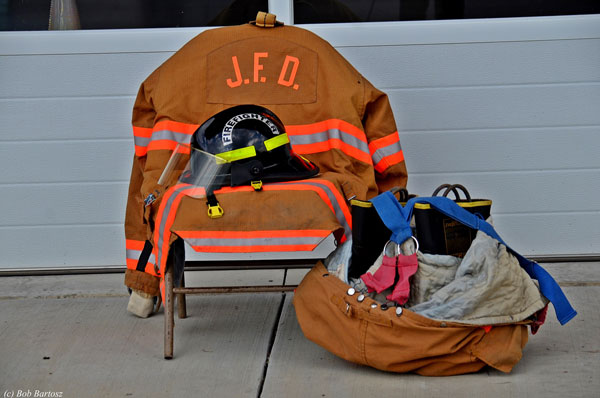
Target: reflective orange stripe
{"points": [[142, 132], [338, 124], [150, 269], [254, 249], [133, 249], [305, 149], [253, 241], [163, 234], [383, 142], [330, 134], [179, 127], [183, 128], [165, 134], [132, 263], [167, 144], [159, 222], [134, 244], [388, 161], [386, 152], [255, 234]]}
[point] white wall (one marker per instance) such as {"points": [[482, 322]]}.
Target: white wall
{"points": [[508, 107]]}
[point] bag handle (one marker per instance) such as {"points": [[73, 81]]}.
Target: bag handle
{"points": [[397, 219], [403, 195], [448, 188], [454, 188]]}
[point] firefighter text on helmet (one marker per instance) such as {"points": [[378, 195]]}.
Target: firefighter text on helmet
{"points": [[231, 123]]}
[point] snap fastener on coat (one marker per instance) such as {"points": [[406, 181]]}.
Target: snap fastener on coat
{"points": [[373, 305], [399, 311], [351, 291], [361, 298], [443, 325], [384, 307]]}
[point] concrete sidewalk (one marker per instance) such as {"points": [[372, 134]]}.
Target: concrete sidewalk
{"points": [[72, 335]]}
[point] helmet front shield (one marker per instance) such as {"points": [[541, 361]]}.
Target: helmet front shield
{"points": [[198, 168]]}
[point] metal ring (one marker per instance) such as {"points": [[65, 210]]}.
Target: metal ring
{"points": [[416, 244], [397, 248]]}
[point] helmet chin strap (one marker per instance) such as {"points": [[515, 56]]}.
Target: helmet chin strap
{"points": [[214, 208], [246, 173]]}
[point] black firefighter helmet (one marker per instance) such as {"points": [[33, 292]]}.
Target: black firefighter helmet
{"points": [[252, 141]]}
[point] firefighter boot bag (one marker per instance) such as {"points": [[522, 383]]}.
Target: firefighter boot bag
{"points": [[477, 314]]}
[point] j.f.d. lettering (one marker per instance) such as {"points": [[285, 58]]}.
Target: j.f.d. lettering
{"points": [[286, 77]]}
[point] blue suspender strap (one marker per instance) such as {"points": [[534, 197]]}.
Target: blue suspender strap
{"points": [[397, 219], [392, 214]]}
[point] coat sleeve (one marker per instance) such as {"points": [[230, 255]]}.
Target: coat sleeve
{"points": [[384, 141], [140, 274]]}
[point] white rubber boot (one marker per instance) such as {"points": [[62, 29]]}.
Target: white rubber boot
{"points": [[140, 304]]}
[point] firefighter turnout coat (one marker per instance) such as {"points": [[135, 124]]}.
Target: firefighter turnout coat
{"points": [[333, 116]]}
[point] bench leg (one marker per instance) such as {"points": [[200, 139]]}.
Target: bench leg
{"points": [[169, 310], [181, 304]]}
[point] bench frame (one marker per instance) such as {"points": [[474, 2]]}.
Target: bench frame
{"points": [[179, 293]]}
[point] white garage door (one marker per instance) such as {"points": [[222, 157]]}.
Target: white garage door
{"points": [[507, 107]]}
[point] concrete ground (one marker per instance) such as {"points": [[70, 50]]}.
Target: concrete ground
{"points": [[71, 336]]}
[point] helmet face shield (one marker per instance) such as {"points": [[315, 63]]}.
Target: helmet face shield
{"points": [[201, 169]]}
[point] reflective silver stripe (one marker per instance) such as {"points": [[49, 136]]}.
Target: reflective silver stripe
{"points": [[180, 138], [135, 255], [327, 135], [141, 141], [386, 151], [196, 242], [339, 214], [165, 215]]}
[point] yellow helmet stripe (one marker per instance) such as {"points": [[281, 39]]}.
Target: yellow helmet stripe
{"points": [[237, 154], [276, 142], [250, 151]]}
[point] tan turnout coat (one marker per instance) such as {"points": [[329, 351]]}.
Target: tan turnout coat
{"points": [[332, 114]]}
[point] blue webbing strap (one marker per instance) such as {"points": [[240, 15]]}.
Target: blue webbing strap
{"points": [[392, 214], [397, 219]]}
